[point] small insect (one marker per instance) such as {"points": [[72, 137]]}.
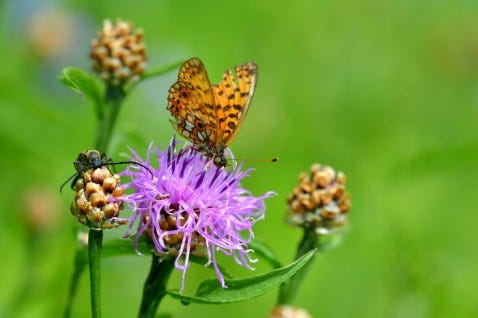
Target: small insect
{"points": [[93, 159], [208, 115]]}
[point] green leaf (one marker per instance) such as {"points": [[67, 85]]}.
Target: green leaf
{"points": [[119, 247], [83, 84], [211, 292], [266, 253]]}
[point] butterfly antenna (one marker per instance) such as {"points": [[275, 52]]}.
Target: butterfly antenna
{"points": [[275, 159]]}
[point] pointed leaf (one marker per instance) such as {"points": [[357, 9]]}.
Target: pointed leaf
{"points": [[211, 292], [83, 84]]}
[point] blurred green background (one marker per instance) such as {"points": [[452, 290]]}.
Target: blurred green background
{"points": [[386, 91]]}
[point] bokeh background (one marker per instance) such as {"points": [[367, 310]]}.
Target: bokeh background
{"points": [[386, 91]]}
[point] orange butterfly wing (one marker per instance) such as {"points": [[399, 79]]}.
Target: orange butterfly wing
{"points": [[210, 116], [233, 96], [191, 103]]}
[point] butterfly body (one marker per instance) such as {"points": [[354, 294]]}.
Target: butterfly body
{"points": [[210, 116]]}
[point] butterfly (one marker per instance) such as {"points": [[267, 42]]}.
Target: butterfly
{"points": [[209, 116]]}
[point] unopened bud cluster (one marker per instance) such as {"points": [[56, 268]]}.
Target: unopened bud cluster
{"points": [[96, 200], [320, 200], [118, 53], [170, 222]]}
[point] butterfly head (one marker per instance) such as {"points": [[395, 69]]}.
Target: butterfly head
{"points": [[220, 161], [216, 155]]}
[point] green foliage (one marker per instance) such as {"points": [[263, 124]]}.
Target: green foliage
{"points": [[83, 84], [211, 292], [125, 247]]}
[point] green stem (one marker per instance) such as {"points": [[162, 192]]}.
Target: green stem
{"points": [[95, 244], [114, 97], [155, 286], [289, 289]]}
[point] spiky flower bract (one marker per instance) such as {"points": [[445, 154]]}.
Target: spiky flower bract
{"points": [[191, 207]]}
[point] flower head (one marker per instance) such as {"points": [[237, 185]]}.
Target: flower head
{"points": [[118, 53], [97, 200], [320, 200], [191, 207]]}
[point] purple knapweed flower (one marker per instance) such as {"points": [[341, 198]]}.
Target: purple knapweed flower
{"points": [[191, 207]]}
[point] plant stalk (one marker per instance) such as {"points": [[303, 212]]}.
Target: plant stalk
{"points": [[155, 286], [108, 114], [95, 245], [289, 289], [114, 97]]}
